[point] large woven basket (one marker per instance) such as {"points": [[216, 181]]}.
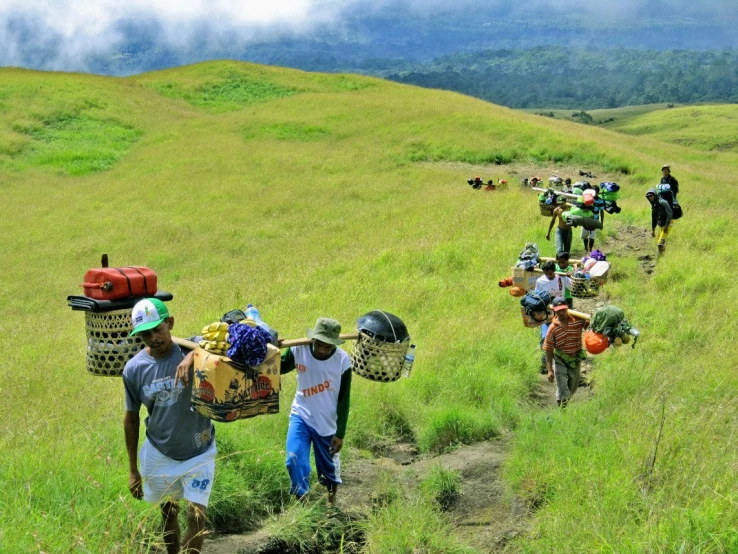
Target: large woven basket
{"points": [[584, 288], [378, 360], [109, 344], [547, 210]]}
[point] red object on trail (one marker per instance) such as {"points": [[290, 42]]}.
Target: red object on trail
{"points": [[115, 283], [505, 282]]}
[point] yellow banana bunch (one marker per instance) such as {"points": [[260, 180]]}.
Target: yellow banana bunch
{"points": [[216, 347], [215, 327], [215, 338]]}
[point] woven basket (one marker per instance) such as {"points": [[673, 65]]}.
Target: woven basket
{"points": [[378, 360], [109, 345], [547, 210], [584, 288], [602, 279]]}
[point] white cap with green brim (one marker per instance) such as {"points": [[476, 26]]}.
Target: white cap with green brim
{"points": [[148, 314]]}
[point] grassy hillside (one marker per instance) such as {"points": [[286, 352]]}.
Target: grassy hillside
{"points": [[312, 195], [704, 127]]}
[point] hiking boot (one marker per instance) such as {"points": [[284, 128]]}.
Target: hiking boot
{"points": [[662, 246]]}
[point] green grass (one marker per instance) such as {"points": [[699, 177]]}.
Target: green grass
{"points": [[710, 128], [443, 487], [313, 527], [704, 127], [409, 525], [228, 94], [347, 197], [78, 145]]}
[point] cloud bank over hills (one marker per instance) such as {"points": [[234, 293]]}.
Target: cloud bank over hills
{"points": [[110, 36]]}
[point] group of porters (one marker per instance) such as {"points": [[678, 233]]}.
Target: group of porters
{"points": [[224, 388]]}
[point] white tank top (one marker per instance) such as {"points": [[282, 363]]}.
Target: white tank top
{"points": [[318, 383]]}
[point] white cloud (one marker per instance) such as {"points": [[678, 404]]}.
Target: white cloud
{"points": [[61, 34]]}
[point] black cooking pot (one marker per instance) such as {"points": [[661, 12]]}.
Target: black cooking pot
{"points": [[383, 326]]}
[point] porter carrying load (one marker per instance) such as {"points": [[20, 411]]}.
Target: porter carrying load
{"points": [[109, 295]]}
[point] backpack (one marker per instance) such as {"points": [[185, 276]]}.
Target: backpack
{"points": [[665, 193], [611, 322], [609, 196], [528, 258], [609, 186], [234, 316], [535, 304]]}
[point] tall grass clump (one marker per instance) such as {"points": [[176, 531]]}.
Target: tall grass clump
{"points": [[313, 528], [443, 487], [411, 525]]}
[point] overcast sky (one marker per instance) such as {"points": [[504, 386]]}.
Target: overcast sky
{"points": [[59, 34]]}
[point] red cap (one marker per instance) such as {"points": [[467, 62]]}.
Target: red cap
{"points": [[559, 303]]}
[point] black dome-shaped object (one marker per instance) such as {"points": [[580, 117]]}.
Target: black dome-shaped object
{"points": [[383, 326]]}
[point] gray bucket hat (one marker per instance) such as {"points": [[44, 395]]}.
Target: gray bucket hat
{"points": [[326, 330]]}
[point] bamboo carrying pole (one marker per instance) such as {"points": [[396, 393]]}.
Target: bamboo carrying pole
{"points": [[558, 193], [303, 341], [580, 315], [545, 259], [184, 343], [189, 345]]}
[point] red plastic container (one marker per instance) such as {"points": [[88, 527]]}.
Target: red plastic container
{"points": [[115, 283]]}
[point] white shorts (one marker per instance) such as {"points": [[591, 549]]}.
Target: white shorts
{"points": [[588, 234], [165, 478]]}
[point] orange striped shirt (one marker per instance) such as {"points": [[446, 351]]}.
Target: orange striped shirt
{"points": [[566, 339]]}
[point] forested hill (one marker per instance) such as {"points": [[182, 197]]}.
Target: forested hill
{"points": [[560, 77]]}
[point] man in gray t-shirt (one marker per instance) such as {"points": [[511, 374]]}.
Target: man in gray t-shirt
{"points": [[178, 454]]}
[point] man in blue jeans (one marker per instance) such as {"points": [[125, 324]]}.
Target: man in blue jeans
{"points": [[319, 412]]}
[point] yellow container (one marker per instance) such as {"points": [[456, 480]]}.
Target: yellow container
{"points": [[224, 392], [526, 280]]}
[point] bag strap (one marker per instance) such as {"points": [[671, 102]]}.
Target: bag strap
{"points": [[141, 273], [130, 289]]}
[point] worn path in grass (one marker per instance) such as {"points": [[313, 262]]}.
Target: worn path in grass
{"points": [[486, 515]]}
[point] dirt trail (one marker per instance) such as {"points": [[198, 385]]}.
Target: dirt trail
{"points": [[634, 241], [486, 515]]}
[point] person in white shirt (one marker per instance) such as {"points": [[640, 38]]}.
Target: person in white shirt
{"points": [[319, 412]]}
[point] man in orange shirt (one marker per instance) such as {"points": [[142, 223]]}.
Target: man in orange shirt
{"points": [[564, 352]]}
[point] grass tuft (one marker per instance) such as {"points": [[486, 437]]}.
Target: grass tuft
{"points": [[443, 487]]}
